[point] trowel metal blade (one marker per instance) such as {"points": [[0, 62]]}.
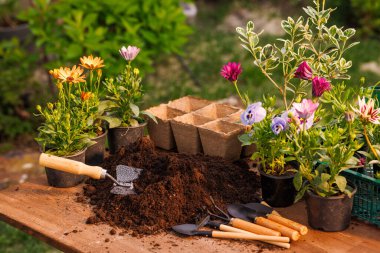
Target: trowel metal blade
{"points": [[122, 190], [126, 173]]}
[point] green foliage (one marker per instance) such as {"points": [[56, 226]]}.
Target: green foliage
{"points": [[309, 40], [71, 28], [367, 13], [14, 85], [124, 93]]}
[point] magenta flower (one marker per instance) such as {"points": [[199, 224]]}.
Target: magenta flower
{"points": [[253, 114], [129, 53], [231, 71], [319, 86], [367, 111], [304, 71], [306, 108]]}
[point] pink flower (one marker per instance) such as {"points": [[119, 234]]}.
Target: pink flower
{"points": [[367, 111], [129, 53], [306, 108], [304, 71], [231, 71], [319, 86]]}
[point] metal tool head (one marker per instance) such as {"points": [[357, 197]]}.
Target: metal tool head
{"points": [[242, 212], [203, 222], [186, 229], [125, 175], [259, 207]]}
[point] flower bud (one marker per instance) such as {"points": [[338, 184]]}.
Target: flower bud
{"points": [[99, 72], [50, 106], [341, 130], [136, 71], [349, 116], [38, 107], [59, 86]]}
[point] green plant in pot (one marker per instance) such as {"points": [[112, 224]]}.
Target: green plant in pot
{"points": [[310, 54], [63, 131], [10, 25], [123, 94]]}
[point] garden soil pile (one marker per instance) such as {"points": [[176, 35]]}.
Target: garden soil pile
{"points": [[172, 189]]}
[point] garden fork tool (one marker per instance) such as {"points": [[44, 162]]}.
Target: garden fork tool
{"points": [[223, 227], [125, 175]]}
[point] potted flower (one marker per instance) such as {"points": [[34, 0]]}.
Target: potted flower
{"points": [[323, 152], [123, 94], [62, 132], [10, 25], [311, 54]]}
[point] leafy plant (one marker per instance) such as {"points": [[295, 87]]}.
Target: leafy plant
{"points": [[68, 29], [8, 12], [16, 88]]}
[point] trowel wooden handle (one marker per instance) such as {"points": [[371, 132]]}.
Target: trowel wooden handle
{"points": [[70, 166], [237, 230], [266, 204], [248, 226], [302, 229], [285, 231], [244, 236]]}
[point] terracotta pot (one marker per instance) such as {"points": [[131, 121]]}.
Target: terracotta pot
{"points": [[186, 133], [119, 137], [95, 152], [62, 179], [330, 214], [21, 32], [220, 138], [161, 133], [188, 104], [217, 111]]}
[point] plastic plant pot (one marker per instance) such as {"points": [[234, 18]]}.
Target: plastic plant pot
{"points": [[119, 137], [95, 152]]}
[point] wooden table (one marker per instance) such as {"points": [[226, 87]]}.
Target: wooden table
{"points": [[53, 216]]}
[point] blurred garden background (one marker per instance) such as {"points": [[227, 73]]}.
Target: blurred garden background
{"points": [[183, 46]]}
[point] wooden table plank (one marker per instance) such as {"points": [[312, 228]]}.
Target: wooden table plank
{"points": [[54, 216]]}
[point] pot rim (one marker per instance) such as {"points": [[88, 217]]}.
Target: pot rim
{"points": [[275, 176], [16, 28], [75, 154], [341, 196], [100, 136], [140, 125]]}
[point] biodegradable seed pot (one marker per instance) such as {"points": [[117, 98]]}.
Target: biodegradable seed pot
{"points": [[95, 152], [331, 214], [185, 129], [188, 104], [217, 111], [278, 191], [119, 137], [62, 179], [161, 132]]}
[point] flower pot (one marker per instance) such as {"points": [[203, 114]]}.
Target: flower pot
{"points": [[234, 117], [220, 138], [330, 214], [119, 137], [95, 152], [217, 111], [278, 191], [62, 179], [186, 133], [188, 104], [161, 133]]}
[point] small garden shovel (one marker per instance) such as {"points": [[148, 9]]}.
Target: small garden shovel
{"points": [[125, 175]]}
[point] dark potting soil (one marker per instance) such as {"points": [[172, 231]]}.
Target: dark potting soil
{"points": [[172, 189]]}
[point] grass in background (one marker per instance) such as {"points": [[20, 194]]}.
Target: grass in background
{"points": [[15, 241]]}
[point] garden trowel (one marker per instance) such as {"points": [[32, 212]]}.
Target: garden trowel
{"points": [[125, 175]]}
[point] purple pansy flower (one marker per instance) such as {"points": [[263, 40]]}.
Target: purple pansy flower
{"points": [[278, 125], [231, 71], [253, 114], [304, 71], [129, 53], [319, 86]]}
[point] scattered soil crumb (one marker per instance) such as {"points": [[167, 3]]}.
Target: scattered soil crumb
{"points": [[112, 232], [107, 240]]}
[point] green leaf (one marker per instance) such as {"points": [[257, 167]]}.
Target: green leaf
{"points": [[341, 182], [245, 139], [135, 109], [150, 115], [325, 177], [297, 181], [113, 121]]}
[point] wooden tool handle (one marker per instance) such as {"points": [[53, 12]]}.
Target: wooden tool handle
{"points": [[248, 226], [266, 204], [302, 229], [285, 231], [244, 236], [70, 166], [237, 230]]}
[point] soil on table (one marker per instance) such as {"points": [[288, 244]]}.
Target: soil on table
{"points": [[172, 189]]}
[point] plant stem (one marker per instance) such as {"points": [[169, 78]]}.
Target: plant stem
{"points": [[369, 142], [237, 89]]}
